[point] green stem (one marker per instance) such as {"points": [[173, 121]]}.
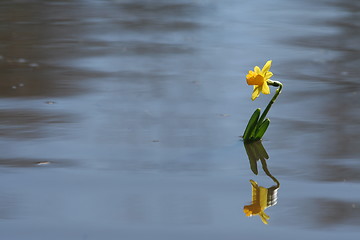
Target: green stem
{"points": [[278, 91]]}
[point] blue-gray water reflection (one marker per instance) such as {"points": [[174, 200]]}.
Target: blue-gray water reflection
{"points": [[261, 197], [120, 119]]}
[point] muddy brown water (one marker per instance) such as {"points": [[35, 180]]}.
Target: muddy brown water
{"points": [[121, 119]]}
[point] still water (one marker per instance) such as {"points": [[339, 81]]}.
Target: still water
{"points": [[120, 119]]}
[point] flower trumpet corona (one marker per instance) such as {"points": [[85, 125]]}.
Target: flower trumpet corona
{"points": [[257, 124]]}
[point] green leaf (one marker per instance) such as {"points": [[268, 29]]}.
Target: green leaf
{"points": [[251, 125], [260, 131]]}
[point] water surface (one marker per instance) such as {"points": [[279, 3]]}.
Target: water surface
{"points": [[121, 119]]}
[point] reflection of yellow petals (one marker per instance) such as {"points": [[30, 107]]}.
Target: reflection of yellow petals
{"points": [[264, 217], [259, 78], [259, 202], [253, 209], [263, 193], [253, 183], [247, 212]]}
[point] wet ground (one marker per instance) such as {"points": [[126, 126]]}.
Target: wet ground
{"points": [[121, 119]]}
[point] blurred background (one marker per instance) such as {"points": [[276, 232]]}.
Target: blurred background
{"points": [[120, 119]]}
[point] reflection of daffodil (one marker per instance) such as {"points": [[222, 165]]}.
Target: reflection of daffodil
{"points": [[259, 79], [259, 202]]}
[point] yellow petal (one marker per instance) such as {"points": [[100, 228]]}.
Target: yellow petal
{"points": [[268, 75], [265, 88], [266, 67], [255, 93], [257, 70]]}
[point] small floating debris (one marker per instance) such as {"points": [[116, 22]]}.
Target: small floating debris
{"points": [[50, 102], [21, 60], [33, 65], [155, 140], [224, 115], [42, 163], [195, 82]]}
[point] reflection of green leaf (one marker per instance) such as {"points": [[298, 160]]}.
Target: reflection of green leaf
{"points": [[252, 154], [255, 152], [260, 131], [261, 150], [250, 128]]}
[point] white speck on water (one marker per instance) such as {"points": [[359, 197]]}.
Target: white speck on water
{"points": [[34, 65], [21, 60], [43, 163], [50, 102]]}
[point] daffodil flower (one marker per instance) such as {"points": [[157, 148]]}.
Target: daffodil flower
{"points": [[259, 78]]}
